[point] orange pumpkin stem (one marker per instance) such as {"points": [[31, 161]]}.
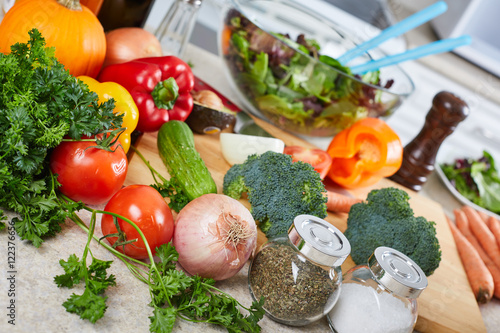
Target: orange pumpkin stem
{"points": [[71, 4]]}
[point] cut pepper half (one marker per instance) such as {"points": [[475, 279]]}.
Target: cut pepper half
{"points": [[364, 153]]}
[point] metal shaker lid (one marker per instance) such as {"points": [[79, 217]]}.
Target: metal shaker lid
{"points": [[397, 273], [195, 3], [319, 241]]}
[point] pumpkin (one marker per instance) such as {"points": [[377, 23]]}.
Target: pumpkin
{"points": [[74, 31]]}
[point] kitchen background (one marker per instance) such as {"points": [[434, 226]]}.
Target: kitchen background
{"points": [[477, 86]]}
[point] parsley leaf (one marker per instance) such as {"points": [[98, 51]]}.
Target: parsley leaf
{"points": [[91, 304], [176, 295], [73, 273], [88, 305], [163, 320], [40, 104]]}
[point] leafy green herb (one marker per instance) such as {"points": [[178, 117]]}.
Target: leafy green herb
{"points": [[90, 305], [194, 299], [476, 179], [40, 104]]}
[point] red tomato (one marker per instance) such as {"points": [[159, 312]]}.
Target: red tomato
{"points": [[91, 175], [144, 206], [318, 158]]}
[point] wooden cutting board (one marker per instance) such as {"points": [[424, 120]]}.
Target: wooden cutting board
{"points": [[447, 305]]}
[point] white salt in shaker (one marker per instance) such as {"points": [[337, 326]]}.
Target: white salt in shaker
{"points": [[379, 297]]}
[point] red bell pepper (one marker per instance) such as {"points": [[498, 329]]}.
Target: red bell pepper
{"points": [[160, 86]]}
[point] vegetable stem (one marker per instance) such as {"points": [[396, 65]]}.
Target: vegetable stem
{"points": [[71, 4], [154, 173], [78, 221]]}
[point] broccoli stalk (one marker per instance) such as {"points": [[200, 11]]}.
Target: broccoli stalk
{"points": [[278, 190], [386, 219]]}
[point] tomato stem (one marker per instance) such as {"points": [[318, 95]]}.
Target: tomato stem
{"points": [[78, 221], [152, 266], [135, 270]]}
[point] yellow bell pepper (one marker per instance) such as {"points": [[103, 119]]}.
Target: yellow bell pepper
{"points": [[124, 104]]}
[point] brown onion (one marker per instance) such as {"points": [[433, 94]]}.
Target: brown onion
{"points": [[214, 236], [209, 99], [125, 44]]}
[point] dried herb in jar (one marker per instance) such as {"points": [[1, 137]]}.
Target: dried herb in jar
{"points": [[292, 286]]}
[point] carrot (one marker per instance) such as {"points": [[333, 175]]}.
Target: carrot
{"points": [[339, 203], [483, 215], [463, 226], [494, 226], [483, 234], [462, 223], [492, 223], [480, 278]]}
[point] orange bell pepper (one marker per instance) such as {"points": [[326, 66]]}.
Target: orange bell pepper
{"points": [[124, 103], [364, 153]]}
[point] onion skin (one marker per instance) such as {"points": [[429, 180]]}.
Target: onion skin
{"points": [[202, 240], [129, 43]]}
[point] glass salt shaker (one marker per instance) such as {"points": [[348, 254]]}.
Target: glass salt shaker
{"points": [[380, 296], [176, 27], [299, 276]]}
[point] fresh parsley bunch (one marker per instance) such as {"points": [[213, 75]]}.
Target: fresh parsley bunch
{"points": [[192, 298], [40, 104]]}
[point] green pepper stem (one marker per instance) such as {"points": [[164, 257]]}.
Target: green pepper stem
{"points": [[165, 94]]}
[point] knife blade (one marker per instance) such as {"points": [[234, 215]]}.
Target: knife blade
{"points": [[246, 125]]}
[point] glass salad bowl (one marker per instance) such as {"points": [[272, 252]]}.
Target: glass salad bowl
{"points": [[280, 58]]}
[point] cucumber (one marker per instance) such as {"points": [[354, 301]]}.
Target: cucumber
{"points": [[177, 151]]}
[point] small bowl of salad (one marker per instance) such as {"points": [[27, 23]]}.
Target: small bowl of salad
{"points": [[280, 58]]}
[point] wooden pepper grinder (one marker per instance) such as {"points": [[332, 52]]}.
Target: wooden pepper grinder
{"points": [[419, 156]]}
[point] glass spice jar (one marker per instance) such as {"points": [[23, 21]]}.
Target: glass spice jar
{"points": [[380, 296], [176, 27], [299, 276]]}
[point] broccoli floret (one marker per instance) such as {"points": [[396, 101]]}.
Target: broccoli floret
{"points": [[278, 190], [386, 219], [234, 182]]}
